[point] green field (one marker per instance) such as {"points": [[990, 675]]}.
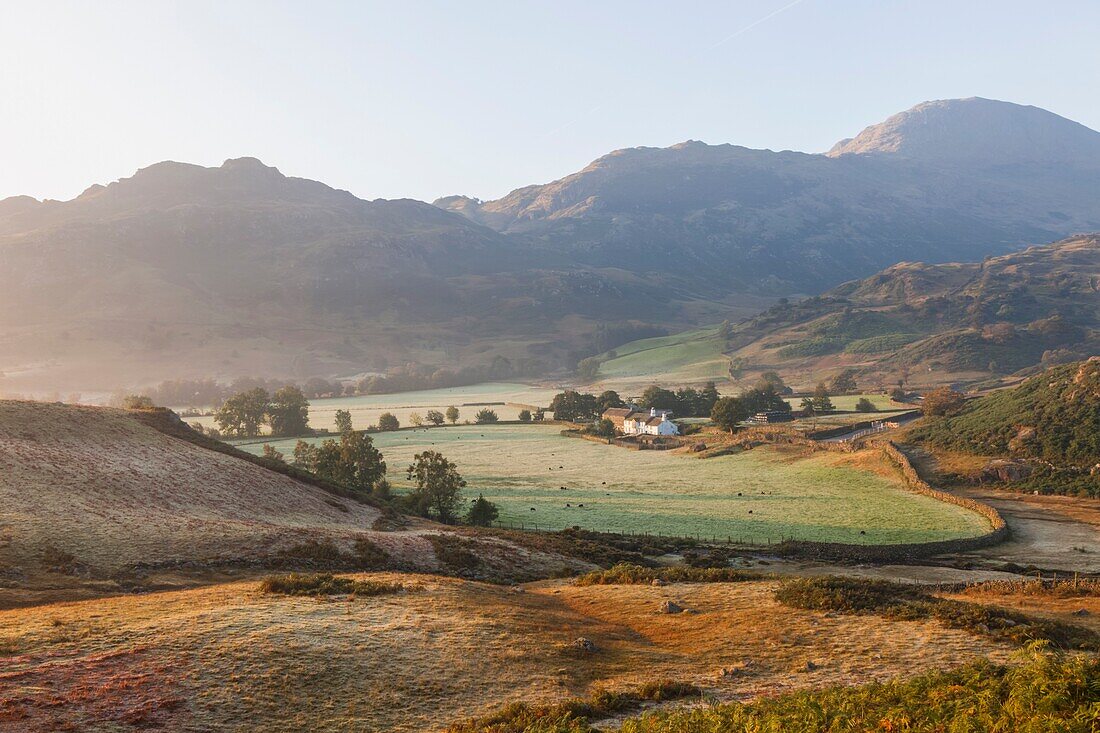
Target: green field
{"points": [[692, 356], [816, 498]]}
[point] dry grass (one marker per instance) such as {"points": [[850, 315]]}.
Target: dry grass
{"points": [[93, 500], [237, 659]]}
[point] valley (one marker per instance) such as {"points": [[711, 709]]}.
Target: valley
{"points": [[538, 477]]}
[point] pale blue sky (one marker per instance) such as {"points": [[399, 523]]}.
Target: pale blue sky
{"points": [[423, 99]]}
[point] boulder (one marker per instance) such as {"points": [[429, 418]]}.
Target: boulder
{"points": [[1005, 470], [584, 645], [671, 607]]}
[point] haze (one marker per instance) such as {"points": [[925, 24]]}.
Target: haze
{"points": [[389, 100]]}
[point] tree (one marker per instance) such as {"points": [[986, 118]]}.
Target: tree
{"points": [[137, 402], [660, 398], [525, 416], [482, 512], [843, 382], [727, 412], [485, 416], [288, 412], [898, 394], [353, 462], [808, 406], [540, 415], [243, 413], [573, 406], [435, 417], [271, 453], [415, 419], [387, 421], [305, 456], [942, 401], [775, 381], [865, 405], [764, 397], [607, 400], [588, 369], [360, 464], [822, 403], [343, 421], [438, 486], [708, 395], [452, 414]]}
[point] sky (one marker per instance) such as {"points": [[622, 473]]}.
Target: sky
{"points": [[426, 99]]}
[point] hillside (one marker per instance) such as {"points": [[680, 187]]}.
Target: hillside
{"points": [[182, 271], [98, 496], [1051, 421], [928, 324]]}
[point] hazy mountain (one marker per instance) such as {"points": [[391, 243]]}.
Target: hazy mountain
{"points": [[947, 181], [183, 270]]}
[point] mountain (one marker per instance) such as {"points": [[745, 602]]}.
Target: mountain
{"points": [[944, 181], [978, 131], [930, 324], [187, 271]]}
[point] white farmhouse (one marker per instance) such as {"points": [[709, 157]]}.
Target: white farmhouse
{"points": [[632, 421]]}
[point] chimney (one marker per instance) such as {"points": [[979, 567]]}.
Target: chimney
{"points": [[653, 412]]}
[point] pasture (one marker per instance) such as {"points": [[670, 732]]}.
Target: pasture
{"points": [[689, 357], [539, 477]]}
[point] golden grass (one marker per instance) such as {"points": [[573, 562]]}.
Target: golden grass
{"points": [[448, 650]]}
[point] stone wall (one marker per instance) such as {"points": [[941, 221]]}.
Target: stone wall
{"points": [[997, 533]]}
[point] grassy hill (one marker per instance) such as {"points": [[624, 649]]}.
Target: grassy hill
{"points": [[691, 356], [99, 498], [971, 323], [1051, 420]]}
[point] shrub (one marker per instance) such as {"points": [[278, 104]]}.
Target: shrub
{"points": [[324, 584], [628, 574], [942, 401], [1045, 692], [818, 346], [387, 421], [573, 716], [908, 602], [865, 405], [485, 416], [454, 552]]}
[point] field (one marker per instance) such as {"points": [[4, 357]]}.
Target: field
{"points": [[539, 477], [505, 398], [229, 658], [690, 357]]}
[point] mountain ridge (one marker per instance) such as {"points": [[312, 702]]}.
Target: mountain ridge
{"points": [[249, 269]]}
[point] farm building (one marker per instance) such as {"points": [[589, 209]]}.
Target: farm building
{"points": [[633, 421]]}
